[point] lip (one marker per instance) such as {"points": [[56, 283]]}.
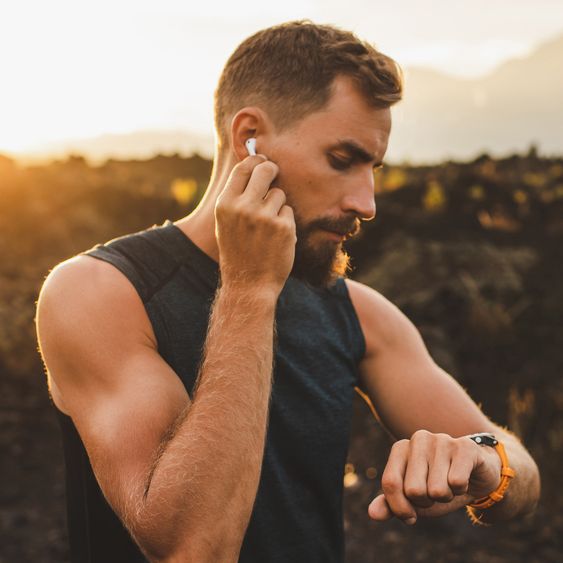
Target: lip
{"points": [[335, 236]]}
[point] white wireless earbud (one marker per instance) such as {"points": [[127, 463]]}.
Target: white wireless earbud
{"points": [[251, 146]]}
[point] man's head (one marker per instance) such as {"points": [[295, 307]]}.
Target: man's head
{"points": [[317, 99]]}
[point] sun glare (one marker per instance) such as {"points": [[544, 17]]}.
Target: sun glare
{"points": [[73, 71], [82, 74]]}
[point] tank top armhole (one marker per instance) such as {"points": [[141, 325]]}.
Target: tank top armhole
{"points": [[101, 252]]}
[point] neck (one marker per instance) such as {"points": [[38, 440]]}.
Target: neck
{"points": [[199, 225]]}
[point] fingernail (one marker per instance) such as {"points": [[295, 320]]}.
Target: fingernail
{"points": [[410, 521]]}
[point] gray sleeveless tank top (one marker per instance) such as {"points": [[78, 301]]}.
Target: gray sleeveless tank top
{"points": [[297, 516]]}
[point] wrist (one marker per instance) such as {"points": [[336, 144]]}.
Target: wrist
{"points": [[489, 443], [249, 296], [494, 461]]}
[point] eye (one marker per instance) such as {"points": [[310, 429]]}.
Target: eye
{"points": [[339, 163]]}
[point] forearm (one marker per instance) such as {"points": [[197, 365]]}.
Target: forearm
{"points": [[523, 493], [204, 485]]}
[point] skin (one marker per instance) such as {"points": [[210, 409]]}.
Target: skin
{"points": [[133, 413], [181, 472], [433, 468]]}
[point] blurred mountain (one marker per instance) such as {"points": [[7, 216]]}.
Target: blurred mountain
{"points": [[136, 145], [441, 117], [518, 104]]}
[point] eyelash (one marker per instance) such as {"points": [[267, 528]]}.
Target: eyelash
{"points": [[338, 163], [341, 164]]}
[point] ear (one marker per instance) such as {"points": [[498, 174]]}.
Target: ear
{"points": [[248, 122]]}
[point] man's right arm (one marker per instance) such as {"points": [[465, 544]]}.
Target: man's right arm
{"points": [[181, 475]]}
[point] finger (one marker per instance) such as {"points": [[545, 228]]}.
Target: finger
{"points": [[392, 481], [459, 474], [287, 213], [438, 486], [379, 509], [416, 475], [240, 175], [260, 181], [274, 200]]}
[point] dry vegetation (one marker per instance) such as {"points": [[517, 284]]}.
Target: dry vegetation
{"points": [[472, 252]]}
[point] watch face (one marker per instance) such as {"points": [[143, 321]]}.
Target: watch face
{"points": [[484, 439]]}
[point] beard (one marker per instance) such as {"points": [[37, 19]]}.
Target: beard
{"points": [[320, 264]]}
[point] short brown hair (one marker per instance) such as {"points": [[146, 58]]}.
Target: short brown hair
{"points": [[289, 69]]}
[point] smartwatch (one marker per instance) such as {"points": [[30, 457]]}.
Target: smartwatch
{"points": [[484, 439]]}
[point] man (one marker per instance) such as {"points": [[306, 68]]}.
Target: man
{"points": [[204, 370]]}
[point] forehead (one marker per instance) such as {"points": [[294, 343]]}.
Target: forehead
{"points": [[348, 116]]}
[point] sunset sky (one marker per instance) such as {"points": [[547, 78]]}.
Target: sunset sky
{"points": [[81, 69]]}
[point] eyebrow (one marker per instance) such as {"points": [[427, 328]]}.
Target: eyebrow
{"points": [[356, 151]]}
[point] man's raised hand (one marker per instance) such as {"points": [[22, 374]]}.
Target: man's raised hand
{"points": [[255, 230]]}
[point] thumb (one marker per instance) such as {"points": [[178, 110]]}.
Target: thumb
{"points": [[379, 509]]}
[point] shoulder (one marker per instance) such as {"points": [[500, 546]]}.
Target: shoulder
{"points": [[382, 322], [86, 280], [84, 292], [88, 317], [84, 269]]}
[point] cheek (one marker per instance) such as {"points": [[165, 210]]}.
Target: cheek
{"points": [[301, 196], [305, 183], [296, 185]]}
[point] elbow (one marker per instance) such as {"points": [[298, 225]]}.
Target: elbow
{"points": [[189, 546], [210, 536], [154, 548], [154, 536], [194, 551]]}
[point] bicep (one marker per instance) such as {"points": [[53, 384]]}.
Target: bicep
{"points": [[408, 389], [120, 393], [411, 392]]}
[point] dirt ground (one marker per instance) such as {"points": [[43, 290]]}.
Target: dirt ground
{"points": [[32, 512]]}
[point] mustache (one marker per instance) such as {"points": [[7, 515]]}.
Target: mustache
{"points": [[346, 226]]}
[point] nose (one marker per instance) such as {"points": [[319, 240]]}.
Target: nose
{"points": [[360, 197]]}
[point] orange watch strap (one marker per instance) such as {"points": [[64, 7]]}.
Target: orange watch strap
{"points": [[507, 473]]}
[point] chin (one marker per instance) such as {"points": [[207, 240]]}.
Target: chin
{"points": [[320, 267]]}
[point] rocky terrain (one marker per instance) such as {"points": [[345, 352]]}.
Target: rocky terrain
{"points": [[471, 252]]}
